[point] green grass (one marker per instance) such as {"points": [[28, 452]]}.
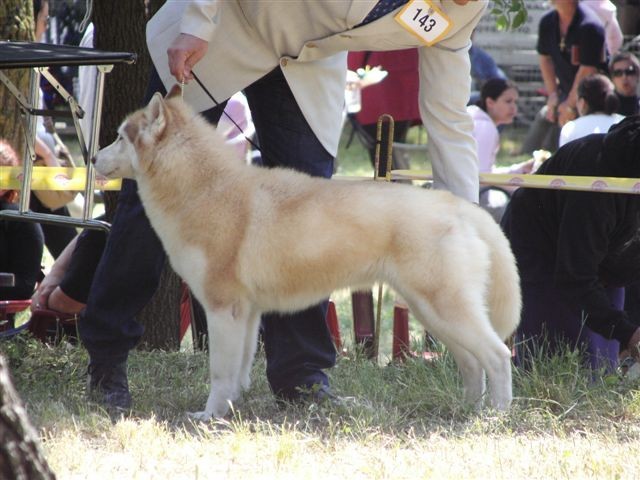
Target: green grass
{"points": [[407, 421]]}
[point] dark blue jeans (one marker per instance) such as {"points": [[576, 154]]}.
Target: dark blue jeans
{"points": [[298, 346]]}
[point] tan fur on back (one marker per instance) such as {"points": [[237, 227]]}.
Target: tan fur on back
{"points": [[249, 240]]}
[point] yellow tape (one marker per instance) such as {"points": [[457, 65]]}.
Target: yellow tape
{"points": [[73, 179], [554, 182], [54, 178]]}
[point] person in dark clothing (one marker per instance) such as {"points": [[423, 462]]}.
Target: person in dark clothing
{"points": [[571, 46], [21, 243], [66, 286], [624, 70], [56, 237], [577, 250]]}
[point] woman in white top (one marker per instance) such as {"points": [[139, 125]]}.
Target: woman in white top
{"points": [[497, 106], [596, 105]]}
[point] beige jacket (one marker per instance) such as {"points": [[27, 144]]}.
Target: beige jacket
{"points": [[309, 40]]}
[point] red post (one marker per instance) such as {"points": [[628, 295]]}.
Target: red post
{"points": [[363, 321], [334, 326], [400, 345]]}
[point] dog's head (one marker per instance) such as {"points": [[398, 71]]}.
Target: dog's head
{"points": [[138, 139]]}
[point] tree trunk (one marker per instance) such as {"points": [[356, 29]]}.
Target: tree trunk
{"points": [[16, 23], [120, 26], [20, 454]]}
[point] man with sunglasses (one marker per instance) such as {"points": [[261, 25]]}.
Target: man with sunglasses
{"points": [[624, 69]]}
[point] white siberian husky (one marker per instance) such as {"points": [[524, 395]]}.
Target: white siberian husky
{"points": [[249, 240]]}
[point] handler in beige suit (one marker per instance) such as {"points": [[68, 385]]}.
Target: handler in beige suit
{"points": [[290, 59], [309, 41]]}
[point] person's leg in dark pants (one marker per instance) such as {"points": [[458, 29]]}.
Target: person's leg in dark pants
{"points": [[298, 346], [125, 280]]}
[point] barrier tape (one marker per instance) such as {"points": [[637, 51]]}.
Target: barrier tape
{"points": [[54, 178], [74, 179], [553, 182]]}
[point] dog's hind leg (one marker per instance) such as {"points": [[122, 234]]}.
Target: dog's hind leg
{"points": [[461, 323], [473, 378], [250, 346], [226, 352]]}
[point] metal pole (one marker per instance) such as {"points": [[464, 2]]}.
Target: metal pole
{"points": [[30, 138], [388, 160], [93, 141]]}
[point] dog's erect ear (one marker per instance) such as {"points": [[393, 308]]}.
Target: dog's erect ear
{"points": [[175, 91], [157, 115]]}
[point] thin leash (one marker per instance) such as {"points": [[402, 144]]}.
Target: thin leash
{"points": [[251, 142]]}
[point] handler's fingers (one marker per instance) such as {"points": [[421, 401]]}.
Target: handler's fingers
{"points": [[184, 53], [177, 64]]}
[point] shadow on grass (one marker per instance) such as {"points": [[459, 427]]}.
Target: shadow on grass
{"points": [[411, 398]]}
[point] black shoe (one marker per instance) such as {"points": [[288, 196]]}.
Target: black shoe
{"points": [[108, 385], [318, 394]]}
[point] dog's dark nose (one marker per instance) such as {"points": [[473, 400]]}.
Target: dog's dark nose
{"points": [[93, 160]]}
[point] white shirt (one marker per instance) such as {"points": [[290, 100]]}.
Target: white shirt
{"points": [[592, 123], [487, 138]]}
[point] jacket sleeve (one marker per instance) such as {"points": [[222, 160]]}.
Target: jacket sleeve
{"points": [[445, 84], [445, 87], [585, 226], [199, 18]]}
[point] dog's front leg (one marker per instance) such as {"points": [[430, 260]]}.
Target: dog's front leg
{"points": [[226, 352]]}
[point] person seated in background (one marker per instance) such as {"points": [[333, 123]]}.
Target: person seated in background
{"points": [[576, 250], [56, 237], [497, 105], [624, 71], [596, 105], [21, 243], [66, 286], [483, 68]]}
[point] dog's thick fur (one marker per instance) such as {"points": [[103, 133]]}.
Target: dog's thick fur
{"points": [[250, 240]]}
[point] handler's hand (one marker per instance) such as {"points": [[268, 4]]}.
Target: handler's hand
{"points": [[185, 51]]}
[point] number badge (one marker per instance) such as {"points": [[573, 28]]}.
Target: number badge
{"points": [[424, 20]]}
